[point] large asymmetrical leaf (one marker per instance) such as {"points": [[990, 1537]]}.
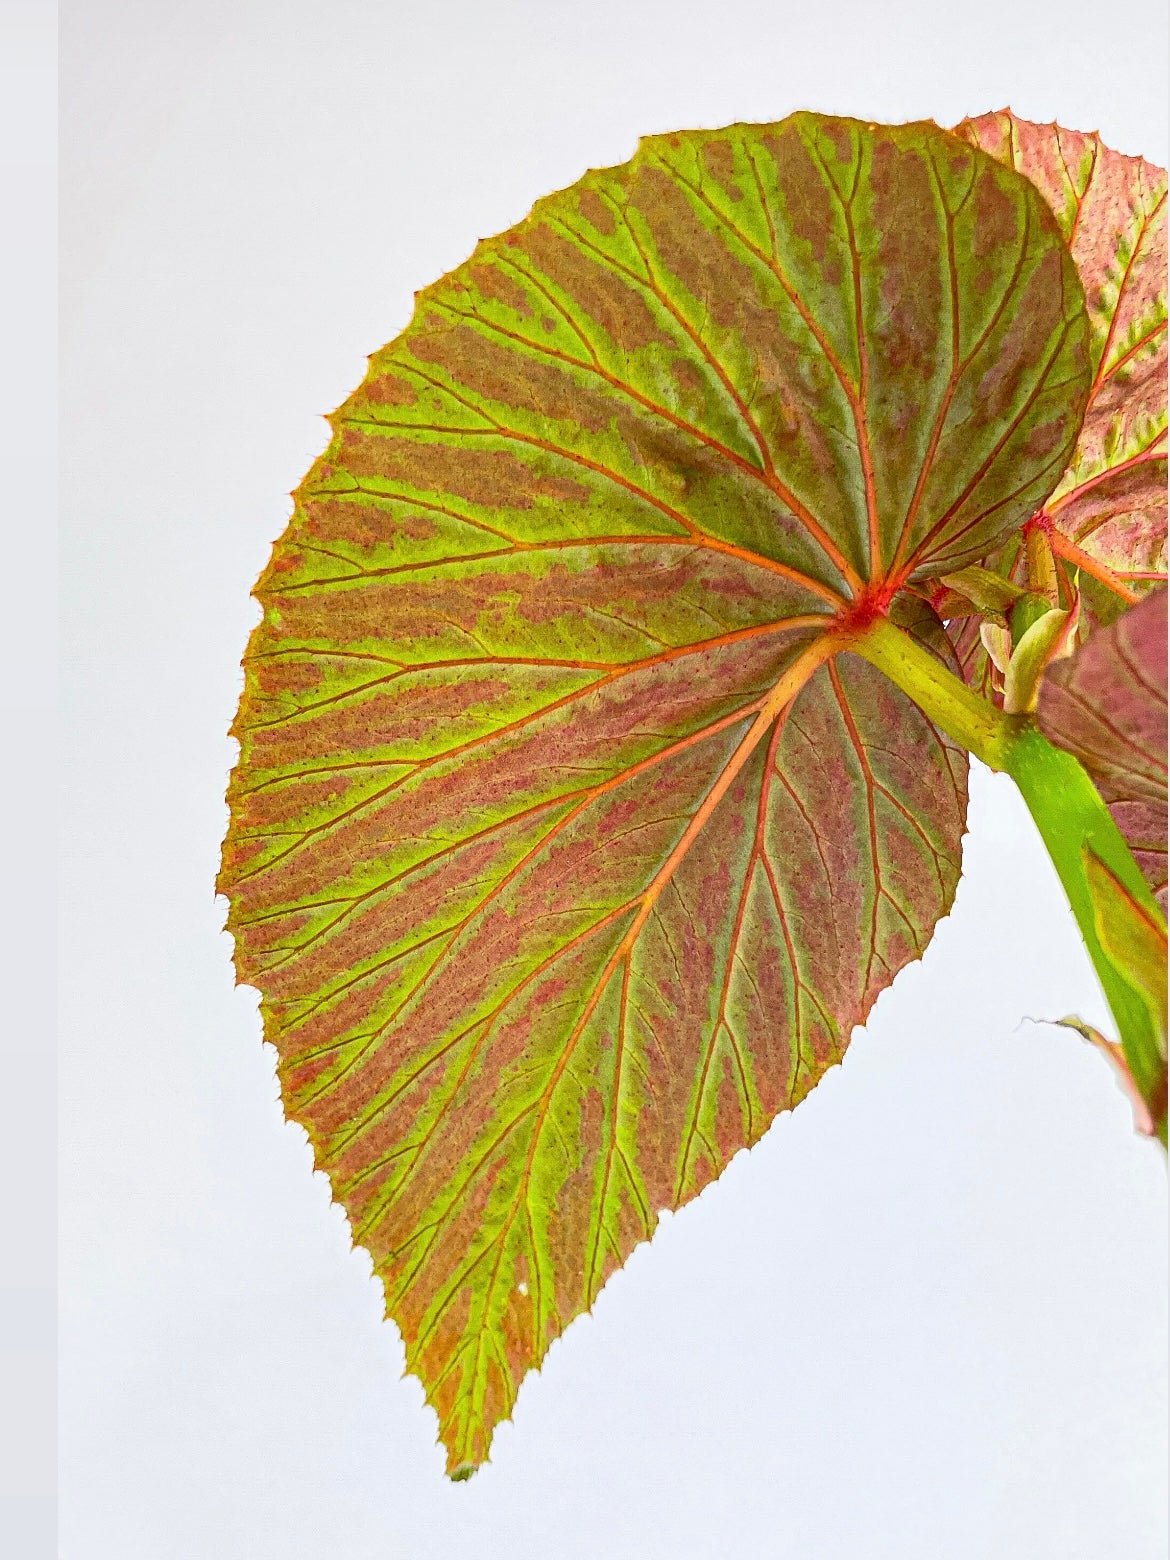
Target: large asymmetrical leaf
{"points": [[1111, 502], [1107, 704], [562, 854]]}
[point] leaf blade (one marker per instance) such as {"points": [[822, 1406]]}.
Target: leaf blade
{"points": [[557, 883], [1110, 504], [1107, 705]]}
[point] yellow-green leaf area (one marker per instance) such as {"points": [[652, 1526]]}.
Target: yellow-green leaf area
{"points": [[568, 841]]}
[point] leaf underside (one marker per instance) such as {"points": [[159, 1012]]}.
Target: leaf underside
{"points": [[554, 895], [1110, 504], [1107, 705]]}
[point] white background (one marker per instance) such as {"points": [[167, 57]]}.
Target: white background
{"points": [[28, 774], [925, 1318]]}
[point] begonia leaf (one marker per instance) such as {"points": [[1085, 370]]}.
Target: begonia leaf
{"points": [[1107, 705], [563, 851], [1110, 504]]}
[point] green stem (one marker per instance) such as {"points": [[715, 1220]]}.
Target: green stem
{"points": [[1071, 817], [1065, 805], [973, 722]]}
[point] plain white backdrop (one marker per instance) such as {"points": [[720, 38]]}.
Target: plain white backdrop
{"points": [[925, 1317], [28, 775]]}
